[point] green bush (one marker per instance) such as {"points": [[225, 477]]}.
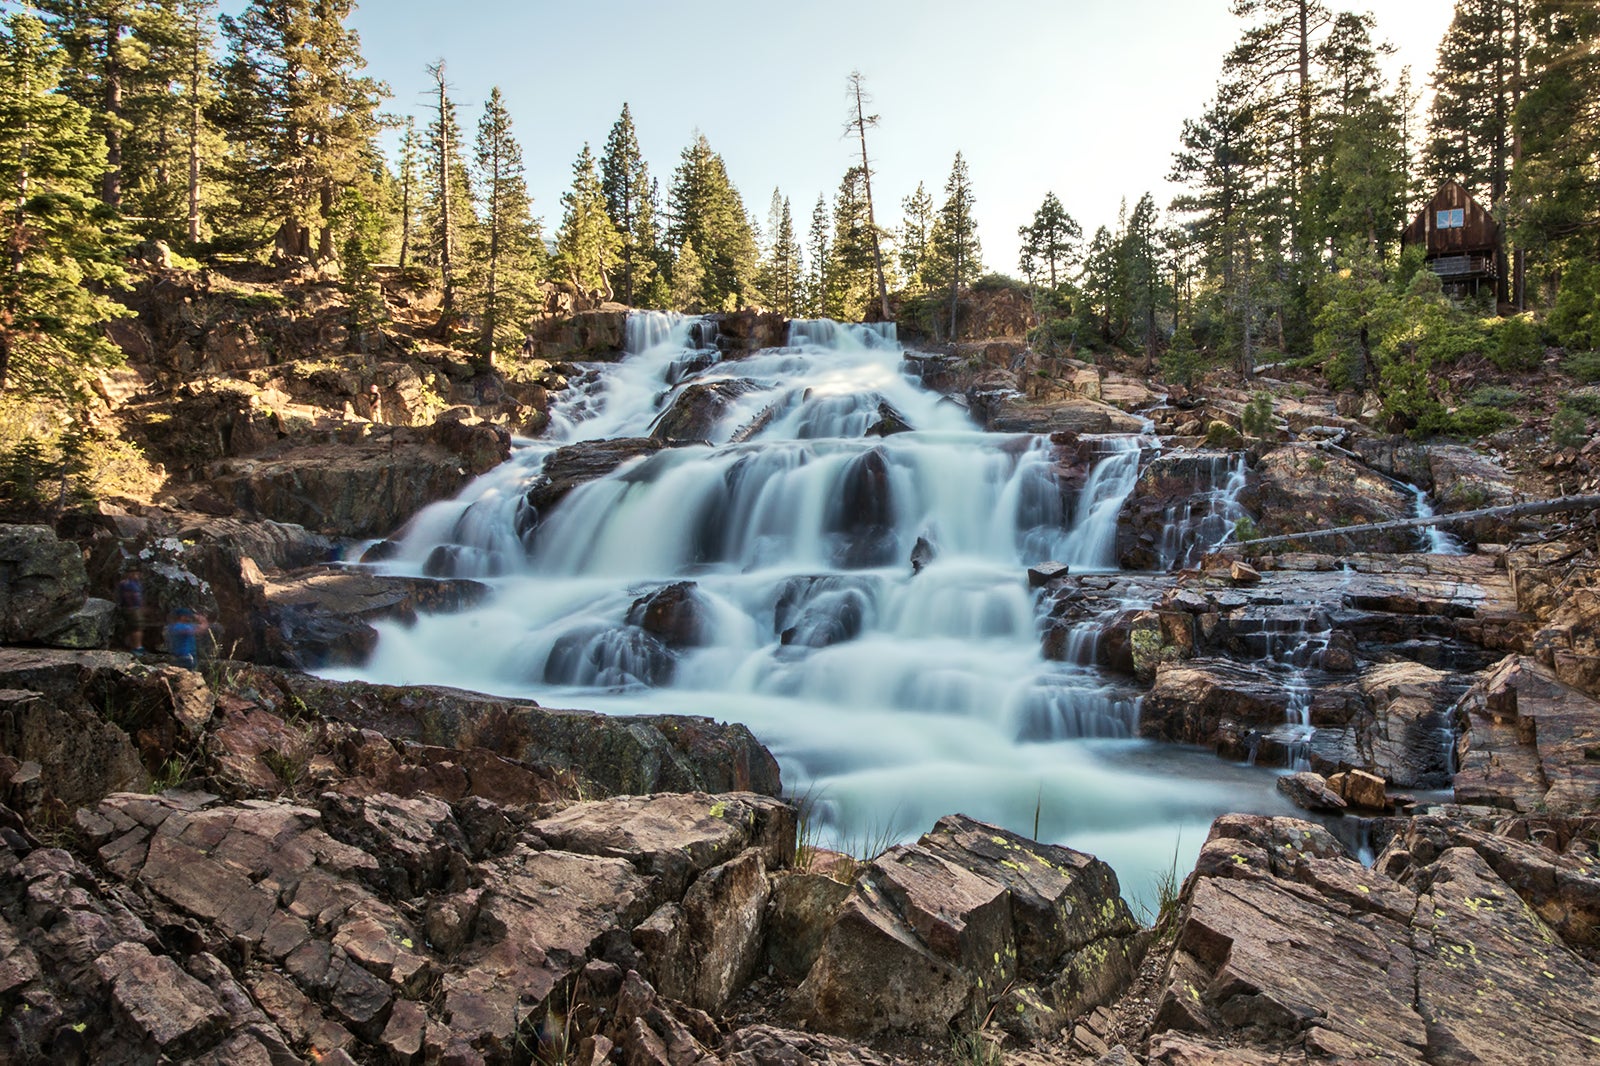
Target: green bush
{"points": [[1570, 427], [1587, 402], [1473, 420], [1257, 417], [1494, 396], [1182, 363], [1585, 366], [1515, 344]]}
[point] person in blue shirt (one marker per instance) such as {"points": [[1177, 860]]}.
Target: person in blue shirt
{"points": [[183, 636]]}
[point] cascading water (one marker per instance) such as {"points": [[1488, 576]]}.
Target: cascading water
{"points": [[1205, 519], [1440, 540], [891, 696]]}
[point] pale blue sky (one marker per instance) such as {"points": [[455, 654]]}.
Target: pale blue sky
{"points": [[1085, 97]]}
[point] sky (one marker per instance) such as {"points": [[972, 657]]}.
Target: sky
{"points": [[1085, 98]]}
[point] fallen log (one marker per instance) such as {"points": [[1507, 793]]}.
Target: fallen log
{"points": [[1559, 505]]}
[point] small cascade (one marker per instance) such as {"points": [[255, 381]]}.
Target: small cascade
{"points": [[1294, 641], [1204, 519], [1091, 542], [1440, 540]]}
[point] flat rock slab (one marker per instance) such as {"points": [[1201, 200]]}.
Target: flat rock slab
{"points": [[1287, 946]]}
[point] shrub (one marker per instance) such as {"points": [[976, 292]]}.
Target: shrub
{"points": [[1570, 426], [1473, 420], [1585, 366], [1257, 417], [1575, 319], [1515, 344], [1494, 396], [1182, 363]]}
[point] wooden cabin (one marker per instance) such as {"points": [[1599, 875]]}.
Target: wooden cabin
{"points": [[1461, 240]]}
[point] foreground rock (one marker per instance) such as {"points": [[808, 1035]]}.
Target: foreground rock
{"points": [[1290, 948], [972, 921]]}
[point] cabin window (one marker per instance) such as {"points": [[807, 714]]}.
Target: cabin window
{"points": [[1453, 218]]}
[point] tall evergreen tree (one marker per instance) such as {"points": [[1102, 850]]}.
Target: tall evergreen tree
{"points": [[588, 245], [1361, 179], [1050, 243], [61, 248], [300, 118], [410, 179], [705, 210], [819, 259], [916, 234], [508, 248], [625, 179], [854, 258], [1557, 185], [781, 267], [957, 257]]}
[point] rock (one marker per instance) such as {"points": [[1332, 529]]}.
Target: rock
{"points": [[1526, 740], [765, 1045], [1044, 573], [587, 334], [803, 905], [889, 422], [1013, 414], [1299, 488], [1311, 791], [81, 756], [705, 950], [1364, 790], [1243, 573], [90, 626], [576, 464], [945, 925], [1284, 941], [698, 409], [673, 613], [861, 518], [922, 553], [1405, 734], [738, 333], [158, 1002], [42, 583], [1191, 702]]}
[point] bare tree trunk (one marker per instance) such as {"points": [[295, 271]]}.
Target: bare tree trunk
{"points": [[1559, 505], [194, 134], [448, 302], [862, 121]]}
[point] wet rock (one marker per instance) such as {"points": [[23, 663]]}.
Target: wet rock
{"points": [[1191, 702], [1044, 573], [674, 613], [1404, 734], [922, 553], [738, 333], [889, 422], [698, 409], [42, 583], [576, 464], [862, 517], [1311, 791]]}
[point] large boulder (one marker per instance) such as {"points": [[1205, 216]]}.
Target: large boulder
{"points": [[967, 919], [1013, 413], [698, 409], [1527, 741], [42, 583]]}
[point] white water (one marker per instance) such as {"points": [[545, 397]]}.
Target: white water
{"points": [[1440, 540], [891, 699]]}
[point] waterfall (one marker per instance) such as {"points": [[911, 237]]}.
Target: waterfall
{"points": [[1205, 519], [783, 547], [1440, 540]]}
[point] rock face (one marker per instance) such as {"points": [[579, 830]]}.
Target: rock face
{"points": [[361, 487], [698, 408], [1013, 413], [1298, 488], [1528, 742], [42, 584], [972, 917], [1290, 948]]}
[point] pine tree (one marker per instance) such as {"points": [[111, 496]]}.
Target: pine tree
{"points": [[300, 119], [62, 242], [508, 248], [957, 256], [1361, 177], [625, 179], [449, 216], [588, 245], [781, 265], [705, 210], [851, 274], [1557, 183], [819, 258], [409, 178], [1141, 257], [916, 235], [688, 281], [1051, 242]]}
